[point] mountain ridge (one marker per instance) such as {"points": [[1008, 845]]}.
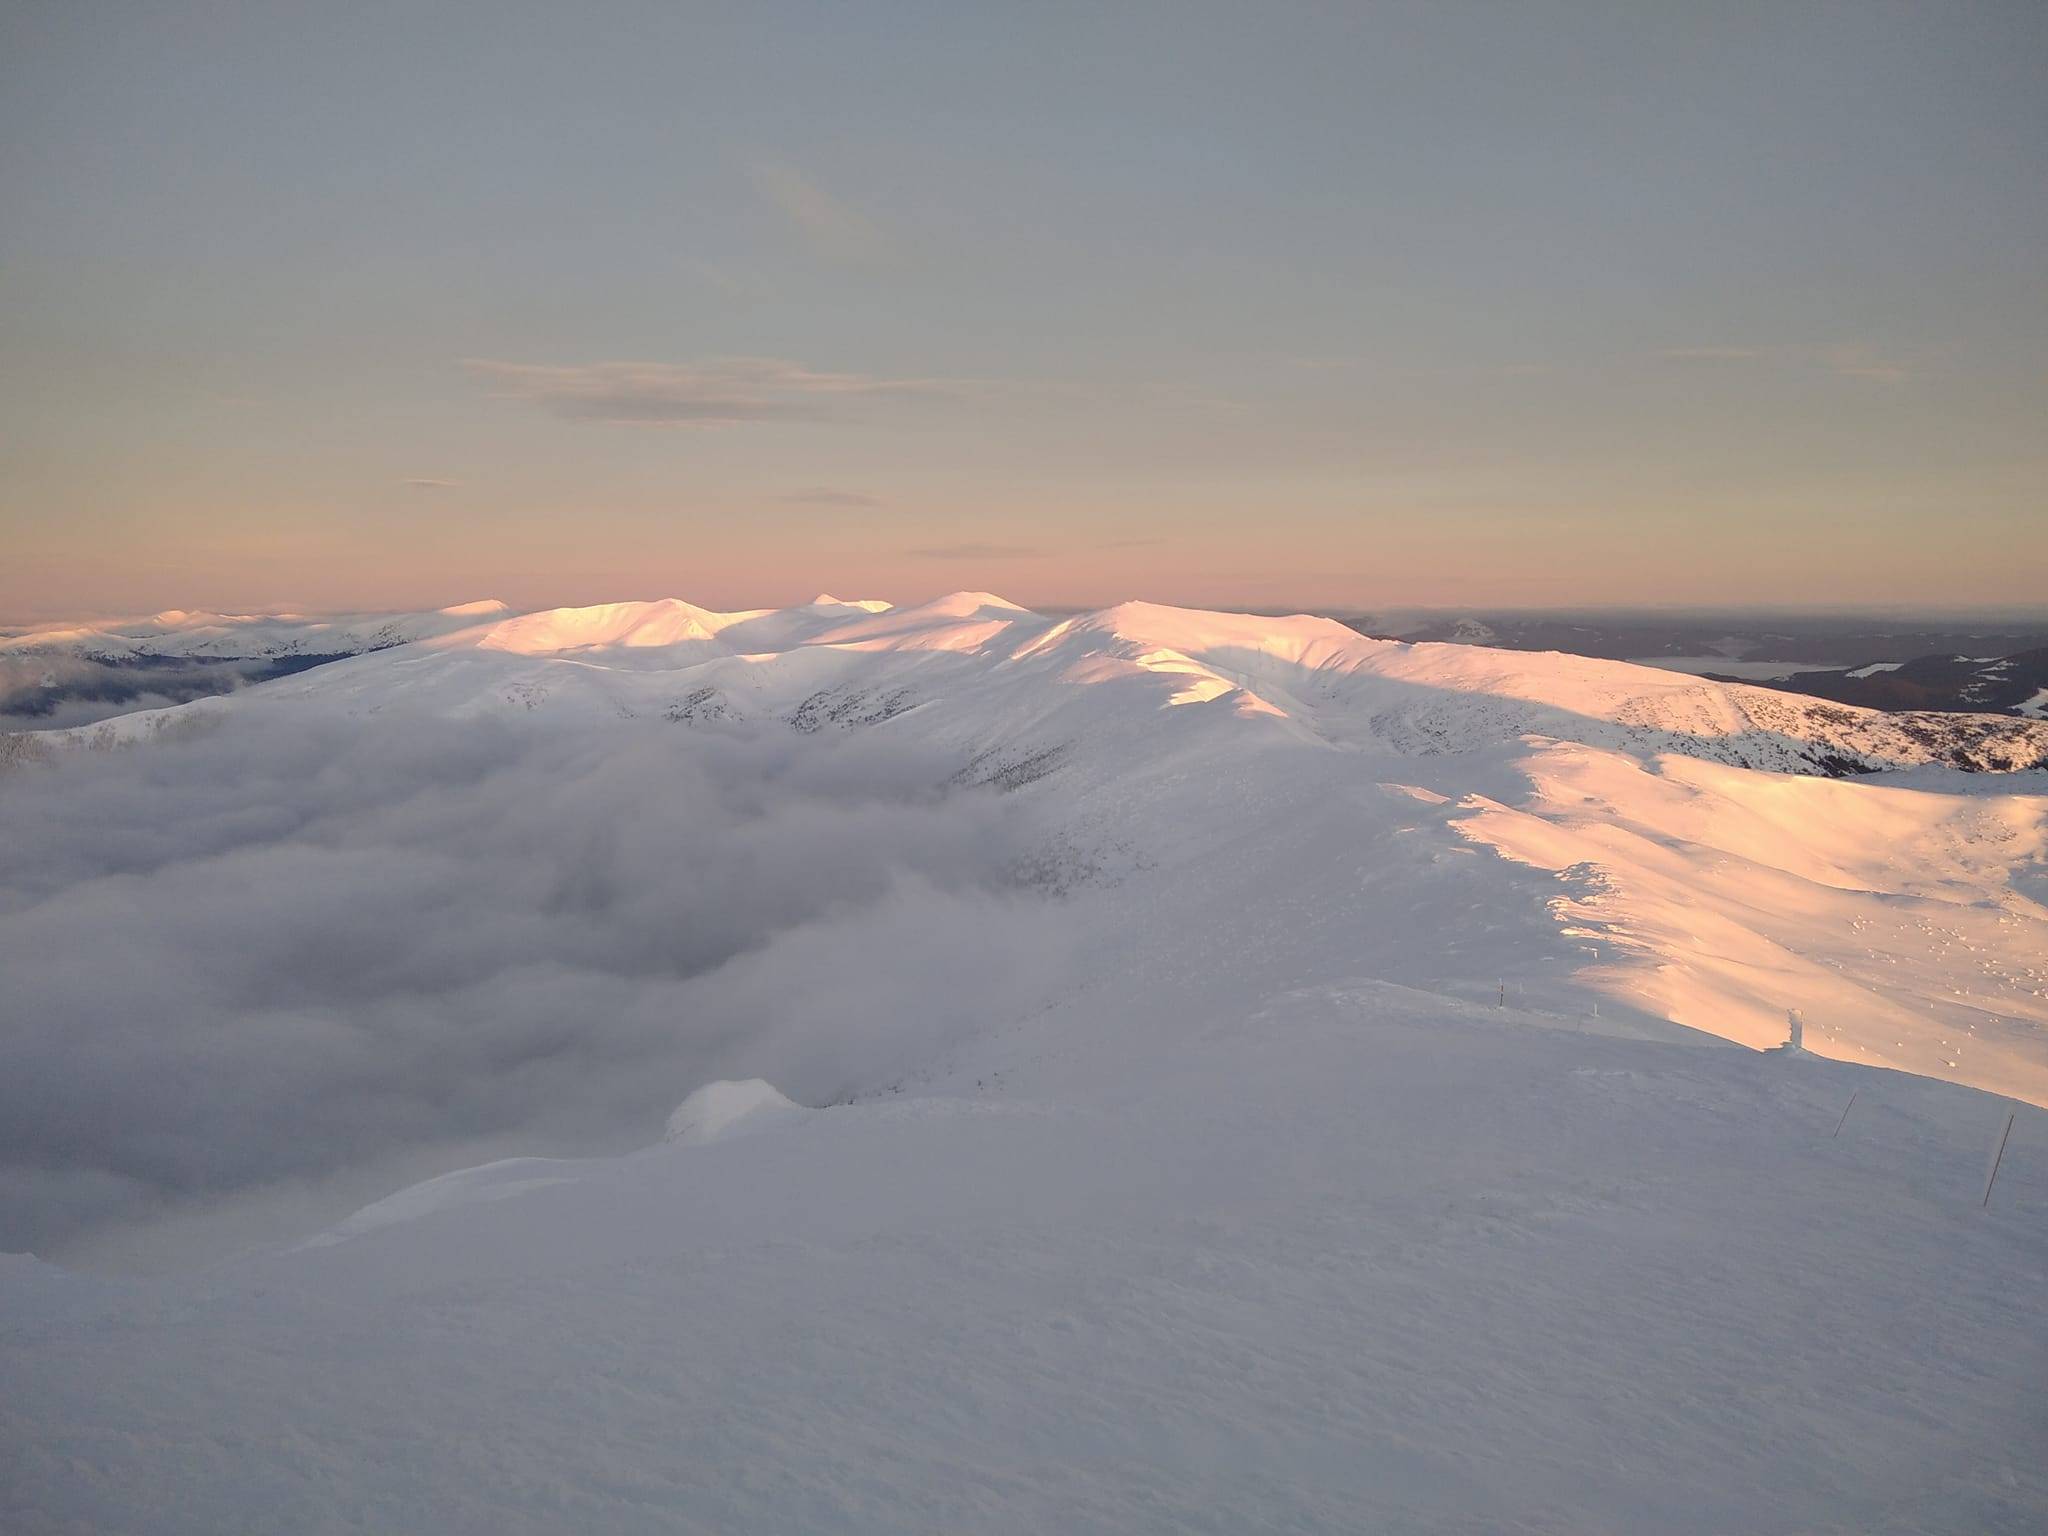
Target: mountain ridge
{"points": [[1316, 672]]}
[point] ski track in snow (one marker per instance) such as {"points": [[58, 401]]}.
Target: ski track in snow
{"points": [[1390, 1168]]}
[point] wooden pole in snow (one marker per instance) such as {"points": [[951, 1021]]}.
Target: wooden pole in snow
{"points": [[1845, 1115], [1996, 1158]]}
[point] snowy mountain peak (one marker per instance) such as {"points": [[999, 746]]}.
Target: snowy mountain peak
{"points": [[959, 621], [870, 604], [972, 603], [1299, 638], [664, 621]]}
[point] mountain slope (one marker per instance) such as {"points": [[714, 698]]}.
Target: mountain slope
{"points": [[1338, 685], [1688, 874]]}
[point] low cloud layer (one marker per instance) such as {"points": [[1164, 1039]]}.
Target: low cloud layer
{"points": [[49, 691], [265, 974], [977, 552]]}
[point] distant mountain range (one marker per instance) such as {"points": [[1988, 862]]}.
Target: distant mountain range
{"points": [[65, 675], [74, 674], [1873, 663], [2011, 685]]}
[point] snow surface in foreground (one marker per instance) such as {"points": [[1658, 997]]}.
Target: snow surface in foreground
{"points": [[1320, 1197], [1361, 1260]]}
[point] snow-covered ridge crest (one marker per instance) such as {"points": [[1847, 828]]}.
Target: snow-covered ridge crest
{"points": [[667, 621], [1325, 681], [1448, 697]]}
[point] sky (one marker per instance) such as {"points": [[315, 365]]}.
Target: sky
{"points": [[397, 305]]}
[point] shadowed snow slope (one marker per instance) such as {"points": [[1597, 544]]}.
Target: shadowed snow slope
{"points": [[1336, 1137]]}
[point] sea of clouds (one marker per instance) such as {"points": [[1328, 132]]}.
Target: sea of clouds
{"points": [[266, 972], [41, 691]]}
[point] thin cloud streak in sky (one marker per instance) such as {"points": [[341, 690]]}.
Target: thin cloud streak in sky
{"points": [[826, 496], [1843, 362], [1713, 354], [977, 552], [713, 392], [830, 226], [1861, 363]]}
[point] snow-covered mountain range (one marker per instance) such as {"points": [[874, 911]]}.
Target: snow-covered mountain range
{"points": [[242, 636], [1363, 1150], [70, 674], [1329, 680]]}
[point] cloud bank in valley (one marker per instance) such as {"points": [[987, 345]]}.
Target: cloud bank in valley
{"points": [[263, 974], [42, 692]]}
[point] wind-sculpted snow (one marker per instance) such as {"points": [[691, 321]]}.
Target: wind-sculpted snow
{"points": [[1353, 1259], [719, 1110], [502, 1180], [1897, 919]]}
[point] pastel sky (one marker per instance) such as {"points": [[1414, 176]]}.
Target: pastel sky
{"points": [[377, 305]]}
